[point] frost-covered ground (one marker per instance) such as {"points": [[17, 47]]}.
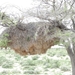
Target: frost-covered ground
{"points": [[54, 62]]}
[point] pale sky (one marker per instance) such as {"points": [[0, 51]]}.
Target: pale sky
{"points": [[8, 6], [20, 3]]}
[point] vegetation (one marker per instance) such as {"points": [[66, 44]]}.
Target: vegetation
{"points": [[54, 62], [4, 41], [64, 12]]}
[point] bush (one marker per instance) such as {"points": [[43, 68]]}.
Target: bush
{"points": [[7, 64]]}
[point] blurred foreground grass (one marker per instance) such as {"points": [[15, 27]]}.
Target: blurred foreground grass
{"points": [[54, 62]]}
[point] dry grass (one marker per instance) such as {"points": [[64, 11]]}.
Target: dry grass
{"points": [[54, 62]]}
